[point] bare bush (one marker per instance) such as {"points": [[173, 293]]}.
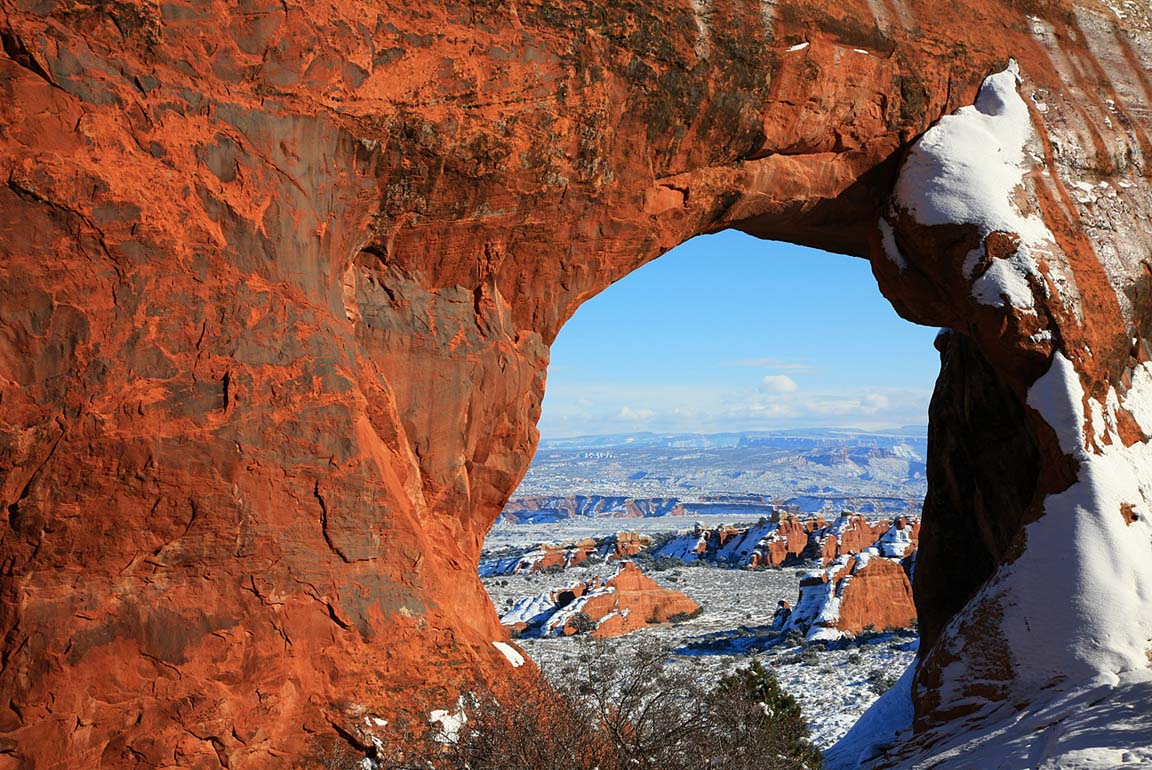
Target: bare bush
{"points": [[633, 712]]}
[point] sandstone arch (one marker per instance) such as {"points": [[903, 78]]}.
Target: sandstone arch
{"points": [[279, 282]]}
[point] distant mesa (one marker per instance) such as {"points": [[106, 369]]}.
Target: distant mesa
{"points": [[628, 601], [551, 509]]}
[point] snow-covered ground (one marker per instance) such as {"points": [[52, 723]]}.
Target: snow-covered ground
{"points": [[834, 685]]}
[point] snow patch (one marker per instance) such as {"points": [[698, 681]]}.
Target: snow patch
{"points": [[511, 653], [891, 250], [798, 47], [449, 722], [966, 170], [1057, 396], [877, 728], [1139, 398], [896, 542]]}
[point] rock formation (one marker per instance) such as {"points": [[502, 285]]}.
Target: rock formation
{"points": [[556, 557], [548, 557], [603, 608], [852, 594], [279, 283], [850, 533], [785, 539]]}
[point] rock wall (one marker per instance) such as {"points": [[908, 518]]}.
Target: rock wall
{"points": [[279, 282]]}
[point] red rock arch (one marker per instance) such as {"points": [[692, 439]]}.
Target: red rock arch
{"points": [[280, 280]]}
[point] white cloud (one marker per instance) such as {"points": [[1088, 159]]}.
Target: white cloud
{"points": [[778, 383], [778, 404], [635, 415]]}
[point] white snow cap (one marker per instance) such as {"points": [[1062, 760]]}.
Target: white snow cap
{"points": [[966, 169]]}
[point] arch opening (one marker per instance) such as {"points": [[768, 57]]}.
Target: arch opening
{"points": [[709, 417]]}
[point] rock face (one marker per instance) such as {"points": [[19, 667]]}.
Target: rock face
{"points": [[603, 608], [852, 594], [279, 282], [785, 539]]}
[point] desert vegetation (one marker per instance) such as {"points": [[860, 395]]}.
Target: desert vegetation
{"points": [[615, 712]]}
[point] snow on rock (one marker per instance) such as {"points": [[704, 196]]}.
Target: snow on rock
{"points": [[770, 542], [1101, 725], [686, 546], [1074, 609], [966, 169], [850, 533], [900, 539], [546, 557], [448, 722], [530, 611], [625, 602], [853, 593], [767, 542], [511, 653], [1086, 549]]}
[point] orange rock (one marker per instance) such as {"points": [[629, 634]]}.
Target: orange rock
{"points": [[878, 596], [788, 541], [628, 544], [853, 593], [636, 602], [276, 306]]}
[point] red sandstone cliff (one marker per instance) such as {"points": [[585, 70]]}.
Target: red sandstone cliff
{"points": [[279, 283]]}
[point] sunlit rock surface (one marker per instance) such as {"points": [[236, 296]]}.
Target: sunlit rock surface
{"points": [[279, 283], [627, 601]]}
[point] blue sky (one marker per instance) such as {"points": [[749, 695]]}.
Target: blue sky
{"points": [[727, 332]]}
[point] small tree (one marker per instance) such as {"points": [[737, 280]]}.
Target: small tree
{"points": [[758, 724]]}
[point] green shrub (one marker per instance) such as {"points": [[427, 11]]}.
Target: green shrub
{"points": [[880, 682]]}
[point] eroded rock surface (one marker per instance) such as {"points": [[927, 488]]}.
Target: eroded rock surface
{"points": [[625, 602], [279, 282], [853, 593]]}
